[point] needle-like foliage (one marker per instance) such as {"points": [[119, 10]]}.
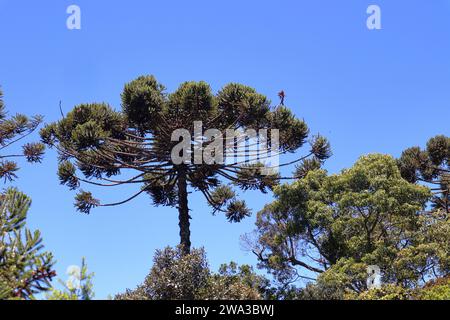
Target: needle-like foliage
{"points": [[13, 129], [25, 269], [96, 144], [430, 166]]}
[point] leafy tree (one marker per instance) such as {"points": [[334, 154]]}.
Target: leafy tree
{"points": [[78, 287], [386, 292], [430, 166], [176, 276], [234, 282], [99, 143], [438, 289], [25, 269], [12, 130], [331, 228]]}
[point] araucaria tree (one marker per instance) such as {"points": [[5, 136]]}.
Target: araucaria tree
{"points": [[12, 130], [25, 269], [99, 143], [430, 166]]}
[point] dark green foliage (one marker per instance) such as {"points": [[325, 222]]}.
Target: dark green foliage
{"points": [[293, 132], [66, 174], [24, 268], [237, 210], [437, 289], [386, 292], [430, 166], [306, 166], [174, 276], [33, 152], [320, 147], [252, 177], [12, 130], [177, 276], [142, 100], [8, 170], [161, 191], [100, 143], [222, 196], [234, 282], [84, 201], [335, 226]]}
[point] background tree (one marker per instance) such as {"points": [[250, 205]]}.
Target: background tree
{"points": [[328, 229], [430, 166], [79, 286], [234, 282], [177, 276], [12, 130], [437, 289], [101, 143], [25, 269]]}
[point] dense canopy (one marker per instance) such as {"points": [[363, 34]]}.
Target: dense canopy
{"points": [[100, 143], [335, 226]]}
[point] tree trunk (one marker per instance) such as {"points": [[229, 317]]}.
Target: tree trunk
{"points": [[183, 212]]}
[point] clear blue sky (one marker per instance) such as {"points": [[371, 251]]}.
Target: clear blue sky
{"points": [[367, 91]]}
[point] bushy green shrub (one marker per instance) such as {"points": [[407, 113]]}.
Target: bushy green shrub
{"points": [[176, 276]]}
